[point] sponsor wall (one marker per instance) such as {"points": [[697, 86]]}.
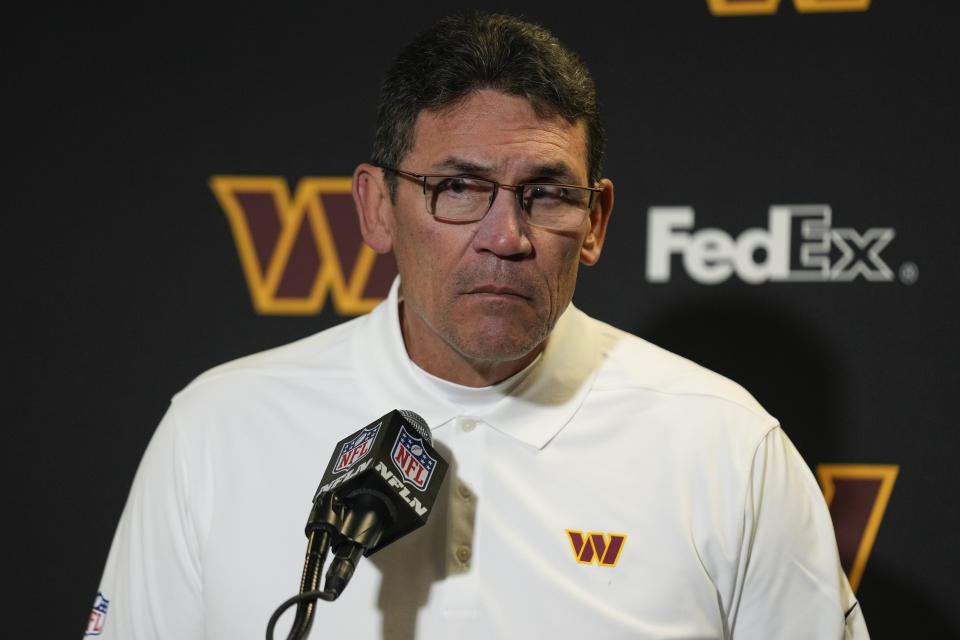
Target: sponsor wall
{"points": [[785, 214]]}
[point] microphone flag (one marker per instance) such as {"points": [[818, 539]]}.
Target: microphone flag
{"points": [[392, 457]]}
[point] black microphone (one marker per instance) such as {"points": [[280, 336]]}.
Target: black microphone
{"points": [[381, 484]]}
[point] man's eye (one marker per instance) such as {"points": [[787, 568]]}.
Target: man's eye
{"points": [[453, 185], [545, 191]]}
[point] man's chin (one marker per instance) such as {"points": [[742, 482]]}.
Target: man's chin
{"points": [[500, 342]]}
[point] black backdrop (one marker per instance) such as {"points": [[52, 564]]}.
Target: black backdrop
{"points": [[124, 278]]}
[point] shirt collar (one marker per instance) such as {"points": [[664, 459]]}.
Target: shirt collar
{"points": [[533, 412]]}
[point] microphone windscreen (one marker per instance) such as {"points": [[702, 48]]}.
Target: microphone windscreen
{"points": [[418, 423]]}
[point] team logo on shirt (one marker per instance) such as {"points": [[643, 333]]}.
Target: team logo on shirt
{"points": [[602, 548], [97, 616], [355, 450], [412, 460]]}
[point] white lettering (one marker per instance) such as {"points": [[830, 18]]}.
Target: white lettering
{"points": [[758, 255], [419, 508], [336, 482], [663, 240], [709, 256], [404, 493]]}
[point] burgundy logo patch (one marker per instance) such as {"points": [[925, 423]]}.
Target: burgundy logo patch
{"points": [[602, 548]]}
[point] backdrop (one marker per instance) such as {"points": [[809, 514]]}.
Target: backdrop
{"points": [[786, 194]]}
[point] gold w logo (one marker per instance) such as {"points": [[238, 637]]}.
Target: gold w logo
{"points": [[857, 495], [603, 548], [297, 250], [766, 7]]}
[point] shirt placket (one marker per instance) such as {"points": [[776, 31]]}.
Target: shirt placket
{"points": [[468, 441]]}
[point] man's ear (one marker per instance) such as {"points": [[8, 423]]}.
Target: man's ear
{"points": [[371, 197], [599, 216]]}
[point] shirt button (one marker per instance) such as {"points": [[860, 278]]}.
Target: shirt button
{"points": [[464, 491], [467, 424], [463, 554]]}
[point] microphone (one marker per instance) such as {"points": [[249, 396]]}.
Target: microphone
{"points": [[380, 484]]}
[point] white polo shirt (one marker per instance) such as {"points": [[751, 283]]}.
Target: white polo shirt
{"points": [[610, 490]]}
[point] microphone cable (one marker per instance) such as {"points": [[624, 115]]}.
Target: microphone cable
{"points": [[306, 600]]}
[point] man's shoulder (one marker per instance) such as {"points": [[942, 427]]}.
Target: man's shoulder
{"points": [[630, 362], [326, 354]]}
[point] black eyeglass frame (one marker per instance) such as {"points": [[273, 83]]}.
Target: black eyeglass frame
{"points": [[518, 190]]}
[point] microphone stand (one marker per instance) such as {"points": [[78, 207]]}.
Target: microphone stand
{"points": [[310, 581], [324, 523]]}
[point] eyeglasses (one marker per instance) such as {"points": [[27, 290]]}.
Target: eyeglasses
{"points": [[467, 199]]}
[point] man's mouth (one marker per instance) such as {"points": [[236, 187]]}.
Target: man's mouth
{"points": [[498, 290]]}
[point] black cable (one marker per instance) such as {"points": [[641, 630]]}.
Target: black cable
{"points": [[297, 599], [351, 531], [317, 545]]}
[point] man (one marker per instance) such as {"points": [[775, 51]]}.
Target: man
{"points": [[599, 486]]}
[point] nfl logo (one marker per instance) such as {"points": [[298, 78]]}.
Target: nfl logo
{"points": [[412, 460], [97, 616], [354, 450]]}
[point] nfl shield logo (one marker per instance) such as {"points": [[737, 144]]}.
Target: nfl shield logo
{"points": [[354, 450], [97, 616], [412, 460]]}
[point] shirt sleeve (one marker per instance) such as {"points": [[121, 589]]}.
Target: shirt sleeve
{"points": [[792, 585], [151, 587]]}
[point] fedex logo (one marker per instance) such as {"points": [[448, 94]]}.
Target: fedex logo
{"points": [[800, 244]]}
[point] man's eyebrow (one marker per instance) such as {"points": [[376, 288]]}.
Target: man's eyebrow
{"points": [[463, 166], [559, 171]]}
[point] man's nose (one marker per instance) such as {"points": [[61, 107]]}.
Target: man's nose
{"points": [[504, 230]]}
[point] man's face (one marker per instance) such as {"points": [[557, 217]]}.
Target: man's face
{"points": [[488, 293]]}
